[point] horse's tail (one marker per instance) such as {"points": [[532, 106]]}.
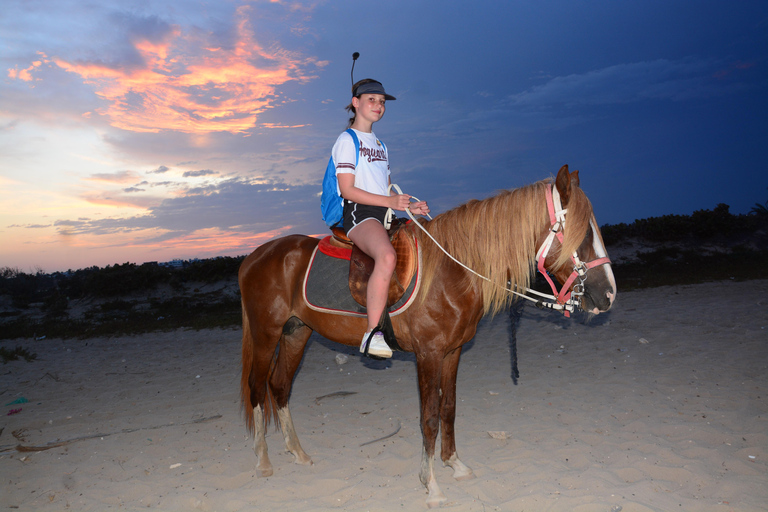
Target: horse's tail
{"points": [[248, 380]]}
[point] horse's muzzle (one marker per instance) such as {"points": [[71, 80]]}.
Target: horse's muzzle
{"points": [[597, 303]]}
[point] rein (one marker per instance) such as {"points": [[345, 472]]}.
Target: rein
{"points": [[564, 301]]}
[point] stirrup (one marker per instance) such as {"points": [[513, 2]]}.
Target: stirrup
{"points": [[366, 346]]}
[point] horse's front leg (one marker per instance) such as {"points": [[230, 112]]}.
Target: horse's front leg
{"points": [[448, 417], [428, 368]]}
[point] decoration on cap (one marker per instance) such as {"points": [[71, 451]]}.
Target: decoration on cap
{"points": [[352, 73], [372, 87]]}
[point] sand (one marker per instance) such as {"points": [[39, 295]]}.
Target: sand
{"points": [[661, 405]]}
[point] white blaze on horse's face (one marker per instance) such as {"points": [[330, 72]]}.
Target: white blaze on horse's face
{"points": [[604, 271]]}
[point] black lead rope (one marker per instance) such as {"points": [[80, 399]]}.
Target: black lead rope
{"points": [[515, 313]]}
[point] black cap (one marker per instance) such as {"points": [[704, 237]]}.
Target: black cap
{"points": [[373, 87]]}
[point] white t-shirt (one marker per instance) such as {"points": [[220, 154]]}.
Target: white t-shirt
{"points": [[372, 172]]}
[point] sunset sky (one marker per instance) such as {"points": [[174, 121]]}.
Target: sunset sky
{"points": [[135, 131]]}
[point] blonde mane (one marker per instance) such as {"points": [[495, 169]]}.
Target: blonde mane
{"points": [[496, 237]]}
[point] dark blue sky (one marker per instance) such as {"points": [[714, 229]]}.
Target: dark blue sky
{"points": [[147, 131]]}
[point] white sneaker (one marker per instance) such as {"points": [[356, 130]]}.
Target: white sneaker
{"points": [[378, 346]]}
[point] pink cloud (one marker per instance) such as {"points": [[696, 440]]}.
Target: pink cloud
{"points": [[121, 199], [185, 83], [115, 177], [26, 74]]}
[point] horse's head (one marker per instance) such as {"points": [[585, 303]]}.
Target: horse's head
{"points": [[572, 249]]}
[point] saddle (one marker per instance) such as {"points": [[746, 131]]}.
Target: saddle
{"points": [[361, 265]]}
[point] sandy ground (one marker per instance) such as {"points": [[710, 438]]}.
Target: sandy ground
{"points": [[659, 405]]}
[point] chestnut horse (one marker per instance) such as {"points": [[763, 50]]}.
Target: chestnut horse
{"points": [[497, 237]]}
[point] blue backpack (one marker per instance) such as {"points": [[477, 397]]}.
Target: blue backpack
{"points": [[331, 202]]}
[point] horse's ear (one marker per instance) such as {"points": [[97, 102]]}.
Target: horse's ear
{"points": [[563, 183]]}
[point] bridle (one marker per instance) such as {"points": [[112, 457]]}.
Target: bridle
{"points": [[565, 301], [568, 300]]}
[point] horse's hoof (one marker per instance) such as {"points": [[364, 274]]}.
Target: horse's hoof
{"points": [[435, 502], [304, 461], [460, 470], [301, 457], [463, 476], [436, 496]]}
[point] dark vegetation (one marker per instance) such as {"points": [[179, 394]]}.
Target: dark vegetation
{"points": [[709, 245], [119, 299], [16, 354]]}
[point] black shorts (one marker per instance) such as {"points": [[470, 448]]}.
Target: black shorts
{"points": [[355, 213]]}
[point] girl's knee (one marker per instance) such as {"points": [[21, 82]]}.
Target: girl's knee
{"points": [[387, 260]]}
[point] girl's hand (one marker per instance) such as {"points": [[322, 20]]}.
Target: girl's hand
{"points": [[419, 208], [399, 201]]}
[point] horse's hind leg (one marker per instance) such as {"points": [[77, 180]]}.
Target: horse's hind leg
{"points": [[264, 466], [448, 417], [291, 439], [259, 398], [294, 340], [258, 352], [428, 369]]}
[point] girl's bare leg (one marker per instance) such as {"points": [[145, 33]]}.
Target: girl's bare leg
{"points": [[373, 239]]}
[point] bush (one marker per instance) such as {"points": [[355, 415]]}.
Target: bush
{"points": [[699, 226], [16, 354]]}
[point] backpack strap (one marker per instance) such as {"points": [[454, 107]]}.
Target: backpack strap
{"points": [[352, 134], [357, 144]]}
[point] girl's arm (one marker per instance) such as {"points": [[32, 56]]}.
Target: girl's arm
{"points": [[350, 192]]}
